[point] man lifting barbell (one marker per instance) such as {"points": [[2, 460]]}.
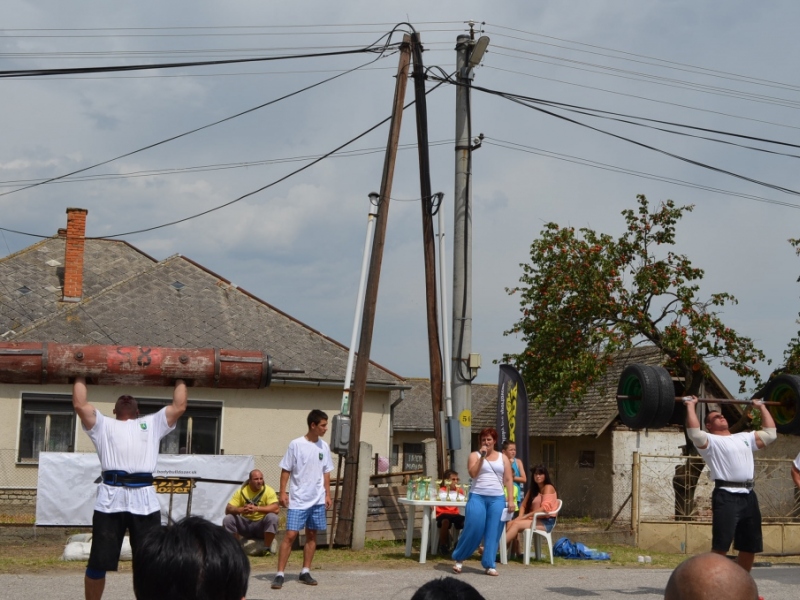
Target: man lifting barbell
{"points": [[736, 516]]}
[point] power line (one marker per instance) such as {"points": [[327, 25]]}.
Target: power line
{"points": [[626, 171], [668, 63], [696, 108], [216, 167], [517, 100], [243, 196], [655, 79], [80, 70], [180, 135]]}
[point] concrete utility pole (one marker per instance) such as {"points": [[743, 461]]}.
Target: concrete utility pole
{"points": [[469, 53], [344, 530]]}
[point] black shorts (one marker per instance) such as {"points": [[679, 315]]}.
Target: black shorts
{"points": [[108, 531], [737, 519], [456, 521]]}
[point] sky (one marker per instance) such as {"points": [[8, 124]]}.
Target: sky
{"points": [[298, 244]]}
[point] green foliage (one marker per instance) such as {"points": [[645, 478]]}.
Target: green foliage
{"points": [[585, 296], [792, 353]]}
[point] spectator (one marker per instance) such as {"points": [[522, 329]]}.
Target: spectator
{"points": [[190, 560], [446, 588], [710, 576], [541, 497], [252, 512], [447, 516]]}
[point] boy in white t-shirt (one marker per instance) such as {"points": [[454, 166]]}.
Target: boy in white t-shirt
{"points": [[306, 468]]}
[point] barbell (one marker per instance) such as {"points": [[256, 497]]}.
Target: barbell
{"points": [[646, 399]]}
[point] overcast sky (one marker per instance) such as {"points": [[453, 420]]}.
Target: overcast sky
{"points": [[298, 245]]}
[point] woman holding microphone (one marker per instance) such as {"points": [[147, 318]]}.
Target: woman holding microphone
{"points": [[491, 472]]}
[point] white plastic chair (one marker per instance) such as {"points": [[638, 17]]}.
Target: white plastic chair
{"points": [[535, 535]]}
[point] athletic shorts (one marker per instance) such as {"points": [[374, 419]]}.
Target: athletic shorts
{"points": [[108, 531], [737, 519], [456, 521], [312, 518]]}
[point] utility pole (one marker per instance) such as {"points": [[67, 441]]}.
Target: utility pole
{"points": [[469, 53], [344, 530], [429, 249]]}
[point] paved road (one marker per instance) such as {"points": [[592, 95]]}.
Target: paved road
{"points": [[595, 582]]}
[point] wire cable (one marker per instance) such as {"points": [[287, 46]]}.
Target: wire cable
{"points": [[180, 135]]}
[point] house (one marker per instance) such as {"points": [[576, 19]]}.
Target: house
{"points": [[412, 420], [69, 289]]}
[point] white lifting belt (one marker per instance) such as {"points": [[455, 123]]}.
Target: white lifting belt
{"points": [[698, 436], [767, 435]]}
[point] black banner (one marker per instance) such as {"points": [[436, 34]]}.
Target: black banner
{"points": [[512, 413]]}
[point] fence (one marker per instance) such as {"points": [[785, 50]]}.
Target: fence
{"points": [[678, 488]]}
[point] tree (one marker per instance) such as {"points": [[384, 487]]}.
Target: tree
{"points": [[792, 353], [584, 296]]}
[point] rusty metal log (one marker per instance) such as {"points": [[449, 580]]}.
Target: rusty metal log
{"points": [[40, 363]]}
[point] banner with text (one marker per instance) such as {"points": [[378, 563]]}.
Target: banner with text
{"points": [[67, 485], [512, 413]]}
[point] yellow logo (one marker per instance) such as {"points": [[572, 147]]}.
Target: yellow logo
{"points": [[465, 418], [511, 411]]}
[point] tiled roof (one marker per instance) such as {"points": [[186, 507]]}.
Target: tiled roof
{"points": [[40, 270], [592, 415], [415, 412], [129, 299]]}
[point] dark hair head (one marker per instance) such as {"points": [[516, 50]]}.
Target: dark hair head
{"points": [[190, 560], [449, 473], [315, 416], [507, 443], [539, 469], [446, 588], [126, 407], [488, 431]]}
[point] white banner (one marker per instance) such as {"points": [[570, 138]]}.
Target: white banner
{"points": [[66, 489]]}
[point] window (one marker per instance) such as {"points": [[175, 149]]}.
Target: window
{"points": [[413, 457], [395, 455], [586, 459], [549, 458], [197, 431], [47, 425]]}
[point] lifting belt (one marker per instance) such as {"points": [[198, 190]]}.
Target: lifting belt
{"points": [[125, 479]]}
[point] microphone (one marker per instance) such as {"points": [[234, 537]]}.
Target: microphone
{"points": [[483, 453]]}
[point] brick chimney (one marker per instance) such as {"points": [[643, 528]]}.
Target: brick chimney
{"points": [[73, 254]]}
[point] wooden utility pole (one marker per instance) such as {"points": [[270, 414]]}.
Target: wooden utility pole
{"points": [[429, 249], [344, 530]]}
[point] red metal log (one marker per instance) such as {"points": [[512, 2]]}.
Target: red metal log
{"points": [[40, 363]]}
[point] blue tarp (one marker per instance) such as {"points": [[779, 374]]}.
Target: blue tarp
{"points": [[567, 549]]}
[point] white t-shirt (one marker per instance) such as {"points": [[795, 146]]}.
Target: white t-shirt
{"points": [[130, 446], [307, 463], [797, 462], [730, 457]]}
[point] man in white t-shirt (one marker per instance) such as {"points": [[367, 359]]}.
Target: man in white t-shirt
{"points": [[736, 516], [128, 450], [306, 468]]}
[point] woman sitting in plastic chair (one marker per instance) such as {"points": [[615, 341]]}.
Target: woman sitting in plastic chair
{"points": [[540, 498]]}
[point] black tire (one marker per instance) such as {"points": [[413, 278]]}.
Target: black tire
{"points": [[666, 398], [786, 390], [640, 382]]}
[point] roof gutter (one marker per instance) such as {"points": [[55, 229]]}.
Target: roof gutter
{"points": [[335, 384]]}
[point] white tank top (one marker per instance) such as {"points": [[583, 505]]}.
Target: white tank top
{"points": [[489, 481]]}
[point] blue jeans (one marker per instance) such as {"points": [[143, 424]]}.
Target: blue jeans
{"points": [[482, 522]]}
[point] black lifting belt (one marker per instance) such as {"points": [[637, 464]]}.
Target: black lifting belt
{"points": [[748, 485], [125, 479]]}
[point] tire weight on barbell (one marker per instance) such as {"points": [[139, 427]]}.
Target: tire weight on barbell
{"points": [[638, 380], [666, 398], [786, 390]]}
